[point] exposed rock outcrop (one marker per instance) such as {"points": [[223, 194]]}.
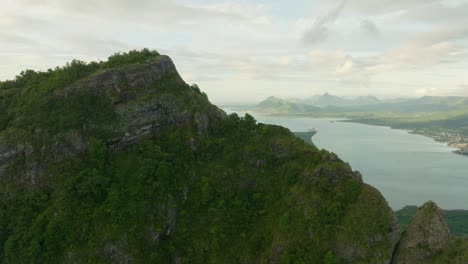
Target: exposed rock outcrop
{"points": [[426, 235], [143, 99]]}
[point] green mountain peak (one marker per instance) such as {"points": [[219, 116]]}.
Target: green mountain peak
{"points": [[121, 161]]}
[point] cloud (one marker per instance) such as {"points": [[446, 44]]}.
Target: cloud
{"points": [[155, 11], [337, 61], [387, 6], [370, 28], [358, 45], [435, 46], [92, 47], [425, 91], [319, 29], [462, 90], [344, 68], [90, 30], [13, 39], [439, 12]]}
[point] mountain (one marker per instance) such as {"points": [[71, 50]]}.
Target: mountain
{"points": [[328, 100], [444, 119], [366, 100], [423, 104], [122, 162], [427, 240], [276, 105], [325, 100], [457, 220], [328, 104]]}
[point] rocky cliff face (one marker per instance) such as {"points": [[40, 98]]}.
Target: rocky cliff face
{"points": [[144, 97], [426, 236]]}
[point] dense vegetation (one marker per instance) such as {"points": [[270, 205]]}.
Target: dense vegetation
{"points": [[128, 202], [237, 192], [457, 253], [29, 102]]}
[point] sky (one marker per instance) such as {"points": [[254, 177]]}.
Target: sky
{"points": [[247, 50]]}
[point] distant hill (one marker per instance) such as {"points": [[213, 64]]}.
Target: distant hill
{"points": [[328, 103], [457, 220], [327, 100], [443, 118], [428, 240], [280, 106], [423, 104]]}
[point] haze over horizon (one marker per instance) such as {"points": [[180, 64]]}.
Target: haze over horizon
{"points": [[248, 50]]}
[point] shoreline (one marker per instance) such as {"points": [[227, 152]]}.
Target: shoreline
{"points": [[458, 150], [462, 151]]}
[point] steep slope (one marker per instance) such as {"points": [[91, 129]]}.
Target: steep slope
{"points": [[427, 240], [457, 220], [50, 122], [122, 162], [427, 234]]}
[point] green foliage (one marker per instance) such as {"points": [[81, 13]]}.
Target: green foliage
{"points": [[30, 101], [457, 253], [242, 192], [329, 258], [160, 199], [134, 56], [197, 90], [284, 223]]}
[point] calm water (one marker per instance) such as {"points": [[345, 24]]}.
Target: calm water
{"points": [[408, 169]]}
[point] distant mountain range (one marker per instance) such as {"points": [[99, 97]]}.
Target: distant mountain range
{"points": [[328, 103], [327, 99], [443, 118], [277, 105]]}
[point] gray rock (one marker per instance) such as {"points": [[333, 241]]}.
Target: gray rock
{"points": [[426, 235]]}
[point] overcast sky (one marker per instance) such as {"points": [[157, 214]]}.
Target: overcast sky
{"points": [[248, 50]]}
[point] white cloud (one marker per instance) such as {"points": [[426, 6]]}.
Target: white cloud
{"points": [[387, 6], [243, 48], [440, 12], [435, 46], [345, 68]]}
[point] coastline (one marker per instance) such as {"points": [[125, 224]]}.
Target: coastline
{"points": [[460, 150], [457, 142], [452, 139]]}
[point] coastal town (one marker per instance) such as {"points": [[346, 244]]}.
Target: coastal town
{"points": [[454, 138]]}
